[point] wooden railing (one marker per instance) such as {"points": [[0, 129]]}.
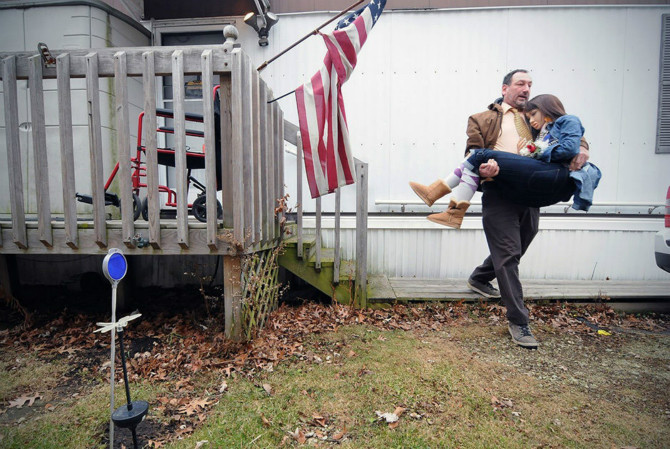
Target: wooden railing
{"points": [[293, 136], [251, 152]]}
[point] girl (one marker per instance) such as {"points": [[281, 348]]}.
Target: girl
{"points": [[538, 176]]}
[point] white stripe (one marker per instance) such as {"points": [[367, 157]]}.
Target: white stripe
{"points": [[310, 113]]}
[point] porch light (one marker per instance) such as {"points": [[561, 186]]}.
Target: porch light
{"points": [[261, 23]]}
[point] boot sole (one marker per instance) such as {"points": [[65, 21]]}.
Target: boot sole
{"points": [[423, 198], [485, 295], [449, 225]]}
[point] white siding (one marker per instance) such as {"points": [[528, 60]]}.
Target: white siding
{"points": [[421, 73], [65, 27]]}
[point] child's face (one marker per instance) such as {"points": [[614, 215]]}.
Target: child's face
{"points": [[536, 118]]}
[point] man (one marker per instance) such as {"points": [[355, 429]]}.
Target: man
{"points": [[509, 227]]}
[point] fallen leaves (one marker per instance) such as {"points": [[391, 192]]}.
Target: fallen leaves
{"points": [[22, 400], [392, 419]]}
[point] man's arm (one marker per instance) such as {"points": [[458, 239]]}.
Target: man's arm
{"points": [[475, 137]]}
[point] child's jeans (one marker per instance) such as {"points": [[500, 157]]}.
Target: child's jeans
{"points": [[525, 180]]}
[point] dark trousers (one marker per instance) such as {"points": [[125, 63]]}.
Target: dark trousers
{"points": [[525, 180], [509, 228]]}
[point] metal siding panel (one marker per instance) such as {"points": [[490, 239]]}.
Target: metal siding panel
{"points": [[421, 74]]}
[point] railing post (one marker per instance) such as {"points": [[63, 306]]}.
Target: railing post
{"points": [[256, 171], [336, 256], [180, 147], [210, 148], [361, 233], [298, 171], [151, 146], [95, 149], [237, 108], [14, 152], [123, 146], [40, 151], [317, 264]]}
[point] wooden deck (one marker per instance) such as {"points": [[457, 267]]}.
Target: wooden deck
{"points": [[409, 289]]}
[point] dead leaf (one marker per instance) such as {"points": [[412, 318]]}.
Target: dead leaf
{"points": [[339, 435], [268, 389], [21, 401], [393, 425], [298, 435], [200, 444], [223, 387], [266, 422], [388, 417]]}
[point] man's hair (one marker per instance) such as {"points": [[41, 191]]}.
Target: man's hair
{"points": [[548, 104], [508, 78]]}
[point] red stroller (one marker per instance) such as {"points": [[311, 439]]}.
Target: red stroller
{"points": [[195, 160]]}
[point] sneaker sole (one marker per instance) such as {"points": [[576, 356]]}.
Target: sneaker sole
{"points": [[522, 344], [484, 294]]}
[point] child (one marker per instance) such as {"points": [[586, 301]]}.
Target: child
{"points": [[538, 176]]}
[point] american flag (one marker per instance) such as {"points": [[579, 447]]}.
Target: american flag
{"points": [[329, 162]]}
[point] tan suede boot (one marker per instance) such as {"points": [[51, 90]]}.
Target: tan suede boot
{"points": [[430, 194], [453, 216]]}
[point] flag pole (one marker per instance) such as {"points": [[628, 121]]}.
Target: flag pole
{"points": [[316, 31]]}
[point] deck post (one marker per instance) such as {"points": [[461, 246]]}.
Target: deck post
{"points": [[40, 157], [14, 152], [361, 289], [95, 149], [232, 296]]}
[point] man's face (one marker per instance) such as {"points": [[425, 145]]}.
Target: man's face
{"points": [[518, 91]]}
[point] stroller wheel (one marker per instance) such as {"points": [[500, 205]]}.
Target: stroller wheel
{"points": [[145, 209], [199, 209], [137, 206]]}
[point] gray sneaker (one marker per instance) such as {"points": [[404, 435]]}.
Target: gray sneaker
{"points": [[522, 336], [484, 288]]}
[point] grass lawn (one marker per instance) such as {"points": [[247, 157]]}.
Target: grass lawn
{"points": [[444, 376]]}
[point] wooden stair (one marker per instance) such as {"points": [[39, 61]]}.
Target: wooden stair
{"points": [[321, 279]]}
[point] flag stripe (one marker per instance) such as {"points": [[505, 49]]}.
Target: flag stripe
{"points": [[328, 156]]}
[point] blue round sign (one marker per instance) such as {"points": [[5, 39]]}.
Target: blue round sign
{"points": [[117, 266], [114, 266]]}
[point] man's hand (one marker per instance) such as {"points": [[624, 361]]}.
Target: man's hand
{"points": [[522, 143], [489, 169], [580, 159]]}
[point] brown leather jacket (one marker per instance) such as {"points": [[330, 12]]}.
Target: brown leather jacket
{"points": [[484, 129]]}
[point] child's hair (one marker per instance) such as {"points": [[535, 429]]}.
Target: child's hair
{"points": [[548, 104]]}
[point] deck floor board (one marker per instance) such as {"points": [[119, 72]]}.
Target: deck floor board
{"points": [[411, 289]]}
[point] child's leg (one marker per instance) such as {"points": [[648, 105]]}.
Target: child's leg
{"points": [[467, 187]]}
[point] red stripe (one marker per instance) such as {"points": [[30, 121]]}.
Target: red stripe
{"points": [[362, 32], [342, 150], [306, 143], [347, 47]]}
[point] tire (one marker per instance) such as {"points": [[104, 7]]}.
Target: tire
{"points": [[145, 209], [137, 206], [199, 209]]}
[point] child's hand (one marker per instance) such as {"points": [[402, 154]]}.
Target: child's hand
{"points": [[522, 143]]}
